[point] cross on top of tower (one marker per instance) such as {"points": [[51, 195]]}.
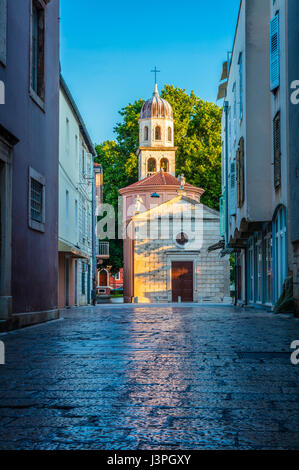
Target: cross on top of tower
{"points": [[155, 71]]}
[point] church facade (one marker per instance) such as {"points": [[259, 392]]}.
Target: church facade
{"points": [[167, 229]]}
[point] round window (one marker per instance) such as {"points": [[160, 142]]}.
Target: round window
{"points": [[182, 239]]}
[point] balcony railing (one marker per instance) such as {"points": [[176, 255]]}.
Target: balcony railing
{"points": [[104, 249]]}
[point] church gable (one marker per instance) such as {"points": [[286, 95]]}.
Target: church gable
{"points": [[173, 206]]}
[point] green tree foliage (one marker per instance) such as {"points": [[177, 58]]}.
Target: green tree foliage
{"points": [[197, 136]]}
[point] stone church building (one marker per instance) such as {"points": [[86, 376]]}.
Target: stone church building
{"points": [[167, 230]]}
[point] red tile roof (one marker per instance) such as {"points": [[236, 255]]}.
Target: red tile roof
{"points": [[160, 178]]}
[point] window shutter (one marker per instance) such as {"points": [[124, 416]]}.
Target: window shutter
{"points": [[232, 198], [277, 150], [274, 53], [240, 173]]}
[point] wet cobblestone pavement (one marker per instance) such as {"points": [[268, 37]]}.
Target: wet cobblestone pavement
{"points": [[151, 378]]}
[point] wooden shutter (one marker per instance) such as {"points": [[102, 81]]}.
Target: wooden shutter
{"points": [[240, 173], [277, 150], [274, 53]]}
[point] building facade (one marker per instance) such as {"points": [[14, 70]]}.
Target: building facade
{"points": [[167, 231], [292, 86], [256, 203], [76, 207], [117, 280], [29, 77]]}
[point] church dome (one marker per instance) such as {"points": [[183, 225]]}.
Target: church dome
{"points": [[156, 107]]}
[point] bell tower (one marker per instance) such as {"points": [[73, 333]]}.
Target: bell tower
{"points": [[156, 137]]}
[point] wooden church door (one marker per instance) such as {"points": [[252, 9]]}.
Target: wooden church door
{"points": [[182, 281]]}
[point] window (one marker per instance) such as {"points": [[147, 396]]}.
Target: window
{"points": [[76, 219], [240, 173], [146, 133], [67, 135], [277, 151], [235, 110], [83, 280], [232, 199], [182, 239], [158, 133], [117, 276], [169, 133], [83, 162], [164, 164], [76, 147], [67, 199], [89, 226], [274, 53], [37, 49], [3, 30], [151, 166], [229, 131], [36, 201], [84, 222], [241, 84]]}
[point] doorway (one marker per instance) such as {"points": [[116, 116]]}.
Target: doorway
{"points": [[76, 282], [67, 281], [182, 281], [88, 285], [5, 230]]}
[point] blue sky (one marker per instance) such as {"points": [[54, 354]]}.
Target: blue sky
{"points": [[109, 47]]}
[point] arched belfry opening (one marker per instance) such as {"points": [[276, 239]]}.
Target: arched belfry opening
{"points": [[164, 164], [151, 166]]}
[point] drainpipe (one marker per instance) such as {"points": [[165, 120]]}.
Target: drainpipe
{"points": [[225, 106]]}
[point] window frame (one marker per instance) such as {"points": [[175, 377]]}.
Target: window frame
{"points": [[33, 224], [151, 159], [277, 151], [240, 63], [3, 28], [240, 169], [275, 53], [158, 128], [38, 97]]}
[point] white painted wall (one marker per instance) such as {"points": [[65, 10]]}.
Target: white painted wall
{"points": [[254, 123], [75, 173]]}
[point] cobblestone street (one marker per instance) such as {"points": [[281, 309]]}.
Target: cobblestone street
{"points": [[117, 377]]}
